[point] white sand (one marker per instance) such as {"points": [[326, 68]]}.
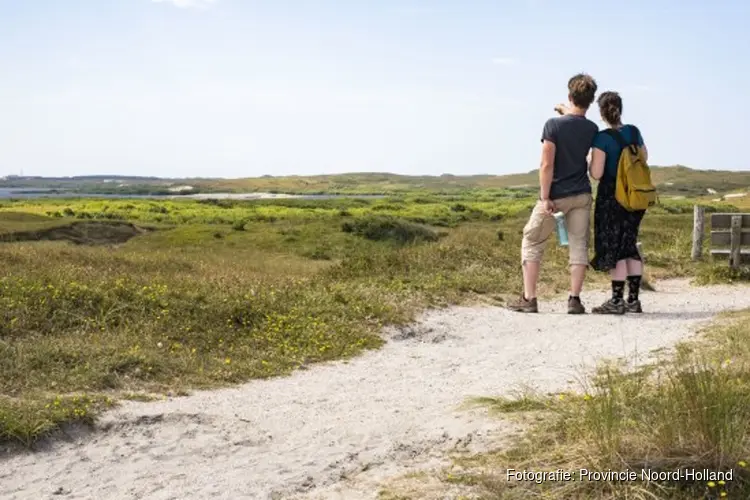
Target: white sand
{"points": [[333, 431]]}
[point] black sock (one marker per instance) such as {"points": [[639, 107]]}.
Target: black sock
{"points": [[634, 286], [618, 290]]}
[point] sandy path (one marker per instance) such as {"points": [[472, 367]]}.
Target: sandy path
{"points": [[314, 433]]}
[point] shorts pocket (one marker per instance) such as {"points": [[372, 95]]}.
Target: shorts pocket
{"points": [[532, 231]]}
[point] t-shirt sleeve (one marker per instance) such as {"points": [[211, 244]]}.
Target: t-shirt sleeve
{"points": [[549, 133], [600, 141], [638, 136]]}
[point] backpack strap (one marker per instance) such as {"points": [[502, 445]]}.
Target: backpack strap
{"points": [[617, 136]]}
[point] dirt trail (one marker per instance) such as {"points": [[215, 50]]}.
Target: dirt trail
{"points": [[335, 430]]}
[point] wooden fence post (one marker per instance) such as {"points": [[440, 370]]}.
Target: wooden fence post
{"points": [[735, 242], [698, 213]]}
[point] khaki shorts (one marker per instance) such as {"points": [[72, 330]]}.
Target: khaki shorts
{"points": [[536, 233]]}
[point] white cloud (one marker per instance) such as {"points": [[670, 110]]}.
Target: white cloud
{"points": [[198, 4], [503, 61]]}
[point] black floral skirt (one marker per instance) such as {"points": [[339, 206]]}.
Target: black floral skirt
{"points": [[615, 230]]}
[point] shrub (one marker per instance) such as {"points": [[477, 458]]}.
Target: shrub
{"points": [[386, 207], [218, 203], [390, 229], [319, 253], [158, 209]]}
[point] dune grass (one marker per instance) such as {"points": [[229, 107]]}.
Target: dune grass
{"points": [[225, 291]]}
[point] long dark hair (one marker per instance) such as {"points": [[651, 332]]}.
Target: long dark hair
{"points": [[610, 107]]}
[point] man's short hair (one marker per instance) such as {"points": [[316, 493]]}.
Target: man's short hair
{"points": [[581, 90]]}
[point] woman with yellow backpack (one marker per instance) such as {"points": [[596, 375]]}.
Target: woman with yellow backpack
{"points": [[619, 161]]}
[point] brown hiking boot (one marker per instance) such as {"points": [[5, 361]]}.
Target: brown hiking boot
{"points": [[633, 307], [524, 305], [611, 306], [575, 306]]}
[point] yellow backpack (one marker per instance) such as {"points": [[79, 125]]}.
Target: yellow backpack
{"points": [[633, 189]]}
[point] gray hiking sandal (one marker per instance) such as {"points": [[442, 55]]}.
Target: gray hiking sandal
{"points": [[633, 307], [612, 306]]}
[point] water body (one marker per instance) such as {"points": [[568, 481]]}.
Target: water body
{"points": [[31, 193]]}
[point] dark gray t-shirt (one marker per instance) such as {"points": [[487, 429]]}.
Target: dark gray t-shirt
{"points": [[573, 136]]}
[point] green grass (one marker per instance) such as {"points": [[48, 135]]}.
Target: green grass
{"points": [[223, 292], [12, 222]]}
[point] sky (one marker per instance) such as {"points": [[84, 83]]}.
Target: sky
{"points": [[243, 88]]}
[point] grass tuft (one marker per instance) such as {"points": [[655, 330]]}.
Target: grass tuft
{"points": [[689, 413], [389, 229]]}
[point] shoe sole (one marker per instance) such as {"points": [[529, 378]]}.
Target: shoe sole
{"points": [[636, 310], [613, 313]]}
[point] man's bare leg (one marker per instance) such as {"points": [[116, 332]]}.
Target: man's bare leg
{"points": [[577, 276], [530, 279]]}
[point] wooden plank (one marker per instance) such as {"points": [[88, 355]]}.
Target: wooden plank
{"points": [[724, 238], [698, 225], [724, 221], [735, 257], [724, 255]]}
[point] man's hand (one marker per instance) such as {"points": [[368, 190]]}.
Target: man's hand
{"points": [[548, 206], [561, 109]]}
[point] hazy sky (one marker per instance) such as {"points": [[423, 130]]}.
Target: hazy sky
{"points": [[233, 88]]}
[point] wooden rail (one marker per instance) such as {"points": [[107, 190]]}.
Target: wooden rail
{"points": [[732, 231]]}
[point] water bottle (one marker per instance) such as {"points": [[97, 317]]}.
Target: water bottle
{"points": [[562, 231]]}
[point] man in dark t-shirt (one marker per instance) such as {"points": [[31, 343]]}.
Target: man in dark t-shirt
{"points": [[564, 187]]}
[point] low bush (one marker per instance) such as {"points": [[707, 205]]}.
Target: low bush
{"points": [[390, 229]]}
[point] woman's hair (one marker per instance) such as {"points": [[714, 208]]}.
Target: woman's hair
{"points": [[610, 106]]}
